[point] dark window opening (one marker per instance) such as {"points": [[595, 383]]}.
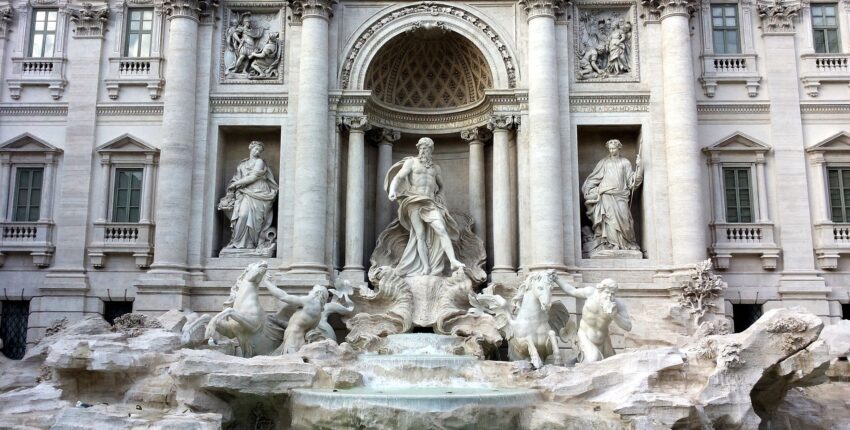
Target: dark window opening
{"points": [[112, 310], [13, 327], [744, 315], [845, 311]]}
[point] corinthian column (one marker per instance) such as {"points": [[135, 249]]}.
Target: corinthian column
{"points": [[687, 209], [547, 231], [312, 140], [383, 206], [178, 137], [503, 256], [355, 198], [477, 200]]}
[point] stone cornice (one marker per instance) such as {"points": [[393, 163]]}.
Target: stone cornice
{"points": [[311, 8], [733, 108], [130, 110], [248, 104], [545, 8], [192, 9], [825, 108], [6, 15], [89, 21], [667, 8], [33, 110], [777, 17], [621, 103]]}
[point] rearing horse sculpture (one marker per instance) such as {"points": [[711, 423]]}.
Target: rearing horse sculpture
{"points": [[243, 317], [531, 322]]}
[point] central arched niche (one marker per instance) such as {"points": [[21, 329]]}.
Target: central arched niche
{"points": [[429, 69]]}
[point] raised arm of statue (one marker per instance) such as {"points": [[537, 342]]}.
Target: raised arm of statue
{"points": [[405, 170], [622, 318], [568, 289], [282, 295]]}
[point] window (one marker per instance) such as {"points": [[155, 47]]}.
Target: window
{"points": [[43, 32], [28, 194], [113, 310], [139, 33], [738, 191], [845, 311], [724, 25], [839, 193], [13, 327], [825, 27], [744, 315], [127, 195]]}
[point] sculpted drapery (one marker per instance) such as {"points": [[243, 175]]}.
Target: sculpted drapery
{"points": [[607, 192], [250, 201]]}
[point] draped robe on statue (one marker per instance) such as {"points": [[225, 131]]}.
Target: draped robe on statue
{"points": [[606, 192], [430, 209], [254, 205]]}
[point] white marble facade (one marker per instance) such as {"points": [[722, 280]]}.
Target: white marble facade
{"points": [[501, 86]]}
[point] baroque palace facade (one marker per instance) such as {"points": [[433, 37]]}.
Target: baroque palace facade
{"points": [[123, 122]]}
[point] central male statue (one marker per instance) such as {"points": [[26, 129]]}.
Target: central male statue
{"points": [[417, 184]]}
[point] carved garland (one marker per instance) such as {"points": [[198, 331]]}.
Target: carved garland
{"points": [[433, 9]]}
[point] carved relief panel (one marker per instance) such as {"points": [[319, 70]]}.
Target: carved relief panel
{"points": [[605, 38], [252, 43]]}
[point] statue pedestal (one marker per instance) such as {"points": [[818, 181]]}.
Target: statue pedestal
{"points": [[247, 253], [616, 254]]}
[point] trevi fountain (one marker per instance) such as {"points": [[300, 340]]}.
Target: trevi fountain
{"points": [[322, 214]]}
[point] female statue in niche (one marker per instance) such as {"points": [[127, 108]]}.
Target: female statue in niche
{"points": [[249, 204], [607, 195]]}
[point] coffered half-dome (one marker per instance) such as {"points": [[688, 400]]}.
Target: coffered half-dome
{"points": [[429, 69]]}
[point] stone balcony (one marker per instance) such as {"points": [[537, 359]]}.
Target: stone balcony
{"points": [[729, 68], [831, 240], [141, 71], [122, 238], [729, 239], [34, 238], [48, 72], [819, 68]]}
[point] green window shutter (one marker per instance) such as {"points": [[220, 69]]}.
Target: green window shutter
{"points": [[825, 28], [139, 32], [28, 194], [738, 193], [127, 195], [839, 193], [724, 27]]}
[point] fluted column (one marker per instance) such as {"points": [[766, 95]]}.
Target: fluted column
{"points": [[355, 198], [178, 137], [383, 206], [312, 140], [545, 182], [684, 169], [477, 201], [503, 255]]}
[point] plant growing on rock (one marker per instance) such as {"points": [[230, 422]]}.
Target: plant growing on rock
{"points": [[700, 292]]}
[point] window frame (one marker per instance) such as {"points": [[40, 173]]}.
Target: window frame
{"points": [[725, 29], [15, 187], [115, 168], [845, 206], [128, 31], [750, 168], [825, 29], [33, 32]]}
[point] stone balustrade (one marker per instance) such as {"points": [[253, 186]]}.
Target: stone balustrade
{"points": [[35, 238], [744, 238], [122, 238], [37, 72], [817, 68], [831, 240], [719, 68], [141, 71]]}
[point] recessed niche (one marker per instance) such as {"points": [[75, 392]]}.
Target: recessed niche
{"points": [[233, 148]]}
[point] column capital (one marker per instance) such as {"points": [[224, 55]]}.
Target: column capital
{"points": [[666, 8], [502, 122], [311, 8], [546, 8], [778, 18], [6, 14], [385, 136], [356, 124], [475, 135], [89, 21], [192, 9]]}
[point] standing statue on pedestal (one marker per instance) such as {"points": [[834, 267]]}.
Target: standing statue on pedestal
{"points": [[600, 309], [417, 185], [607, 194], [249, 204]]}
